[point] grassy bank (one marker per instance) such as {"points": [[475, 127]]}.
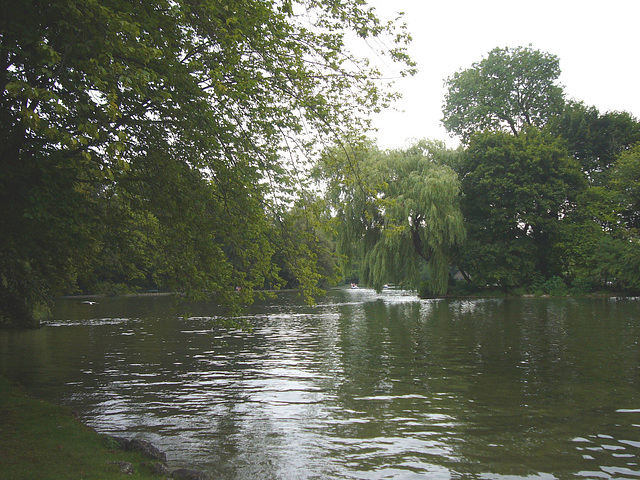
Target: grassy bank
{"points": [[42, 441]]}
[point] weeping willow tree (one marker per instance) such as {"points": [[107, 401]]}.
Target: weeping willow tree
{"points": [[397, 212]]}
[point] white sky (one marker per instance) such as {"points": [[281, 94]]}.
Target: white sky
{"points": [[597, 42]]}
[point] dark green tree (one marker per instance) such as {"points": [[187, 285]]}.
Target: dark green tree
{"points": [[517, 195], [176, 112], [596, 139], [625, 182], [531, 213], [511, 89], [614, 262]]}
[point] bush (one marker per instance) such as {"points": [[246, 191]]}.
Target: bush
{"points": [[518, 291], [462, 288], [555, 286], [582, 286], [536, 284]]}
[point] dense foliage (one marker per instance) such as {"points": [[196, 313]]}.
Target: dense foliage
{"points": [[397, 212], [544, 199], [164, 145], [595, 139], [143, 143], [519, 194], [549, 201], [510, 90]]}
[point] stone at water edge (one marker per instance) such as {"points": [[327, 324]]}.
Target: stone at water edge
{"points": [[135, 445], [188, 474]]}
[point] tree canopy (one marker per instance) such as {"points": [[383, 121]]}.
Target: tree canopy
{"points": [[518, 193], [397, 212], [164, 145], [154, 133], [595, 139], [625, 183], [511, 89]]}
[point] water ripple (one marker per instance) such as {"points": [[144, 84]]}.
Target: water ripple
{"points": [[364, 385]]}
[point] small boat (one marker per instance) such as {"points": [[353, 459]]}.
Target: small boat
{"points": [[354, 286]]}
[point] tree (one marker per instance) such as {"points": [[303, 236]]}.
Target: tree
{"points": [[509, 90], [625, 183], [181, 111], [596, 139], [614, 262], [397, 212], [517, 195], [305, 246]]}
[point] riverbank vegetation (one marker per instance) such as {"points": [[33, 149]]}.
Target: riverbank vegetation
{"points": [[541, 197], [221, 150]]}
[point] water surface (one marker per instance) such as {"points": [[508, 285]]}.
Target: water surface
{"points": [[360, 386]]}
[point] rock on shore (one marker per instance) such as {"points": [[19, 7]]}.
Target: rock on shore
{"points": [[159, 466]]}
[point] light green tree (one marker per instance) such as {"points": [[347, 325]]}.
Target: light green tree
{"points": [[511, 89], [306, 253], [397, 212]]}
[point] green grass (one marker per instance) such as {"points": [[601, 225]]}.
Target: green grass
{"points": [[42, 441]]}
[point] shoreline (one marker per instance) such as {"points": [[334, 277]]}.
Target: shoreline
{"points": [[45, 441], [151, 294]]}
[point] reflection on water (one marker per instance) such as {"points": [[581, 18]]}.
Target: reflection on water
{"points": [[360, 386]]}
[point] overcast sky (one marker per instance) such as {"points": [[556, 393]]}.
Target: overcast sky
{"points": [[598, 43]]}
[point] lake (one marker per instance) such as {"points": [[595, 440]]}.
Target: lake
{"points": [[359, 386]]}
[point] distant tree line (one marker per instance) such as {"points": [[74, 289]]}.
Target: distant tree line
{"points": [[543, 196]]}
